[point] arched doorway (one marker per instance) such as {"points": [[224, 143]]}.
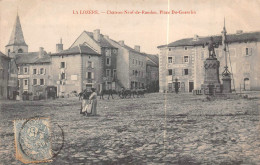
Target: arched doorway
{"points": [[246, 84]]}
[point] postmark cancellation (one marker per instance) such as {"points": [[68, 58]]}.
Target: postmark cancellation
{"points": [[33, 140]]}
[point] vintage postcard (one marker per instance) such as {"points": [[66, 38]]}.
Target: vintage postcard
{"points": [[129, 82]]}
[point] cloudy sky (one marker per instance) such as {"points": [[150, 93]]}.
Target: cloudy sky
{"points": [[44, 22]]}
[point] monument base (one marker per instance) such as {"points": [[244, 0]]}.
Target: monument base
{"points": [[211, 89], [226, 84]]}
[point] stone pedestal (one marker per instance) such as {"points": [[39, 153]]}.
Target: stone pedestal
{"points": [[211, 85], [226, 83]]}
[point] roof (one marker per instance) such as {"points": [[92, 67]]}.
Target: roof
{"points": [[32, 58], [103, 42], [128, 48], [80, 49], [231, 38], [153, 60], [4, 56], [17, 34]]}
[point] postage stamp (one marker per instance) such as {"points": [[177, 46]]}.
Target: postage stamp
{"points": [[33, 140]]}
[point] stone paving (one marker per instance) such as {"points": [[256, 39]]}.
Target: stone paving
{"points": [[157, 129]]}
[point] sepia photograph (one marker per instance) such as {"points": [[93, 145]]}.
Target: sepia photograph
{"points": [[130, 82]]}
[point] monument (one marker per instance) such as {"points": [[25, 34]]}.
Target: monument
{"points": [[211, 85], [226, 75]]}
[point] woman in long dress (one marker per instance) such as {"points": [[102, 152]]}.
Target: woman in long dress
{"points": [[93, 100]]}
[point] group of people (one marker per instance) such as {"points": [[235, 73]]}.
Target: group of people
{"points": [[89, 102]]}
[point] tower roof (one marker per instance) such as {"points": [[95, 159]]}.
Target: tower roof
{"points": [[17, 34]]}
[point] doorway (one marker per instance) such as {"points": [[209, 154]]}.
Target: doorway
{"points": [[191, 86], [246, 84]]}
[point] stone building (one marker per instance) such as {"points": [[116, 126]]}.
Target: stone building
{"points": [[4, 75], [131, 65], [76, 67], [108, 58], [183, 59], [152, 73], [33, 73]]}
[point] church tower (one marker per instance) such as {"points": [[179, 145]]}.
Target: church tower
{"points": [[16, 43]]}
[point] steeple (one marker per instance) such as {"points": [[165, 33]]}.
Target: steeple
{"points": [[17, 34], [16, 43]]}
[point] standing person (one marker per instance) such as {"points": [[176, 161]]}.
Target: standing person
{"points": [[85, 101], [93, 102]]}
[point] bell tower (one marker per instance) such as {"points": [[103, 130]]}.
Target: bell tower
{"points": [[16, 43]]}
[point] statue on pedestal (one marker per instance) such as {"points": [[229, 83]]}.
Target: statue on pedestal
{"points": [[211, 48]]}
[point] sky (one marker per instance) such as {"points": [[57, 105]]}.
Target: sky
{"points": [[44, 22]]}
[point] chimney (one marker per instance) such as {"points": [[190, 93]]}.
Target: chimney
{"points": [[97, 35], [41, 52], [239, 31], [196, 37], [137, 48], [122, 43], [59, 47]]}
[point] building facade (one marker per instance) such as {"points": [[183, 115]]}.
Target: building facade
{"points": [[131, 65], [4, 75], [184, 60], [152, 73], [75, 68], [34, 70], [98, 43]]}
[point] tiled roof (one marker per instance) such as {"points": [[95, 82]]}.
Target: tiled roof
{"points": [[243, 37], [81, 49], [103, 42], [32, 58]]}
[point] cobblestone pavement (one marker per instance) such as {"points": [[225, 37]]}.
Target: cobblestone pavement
{"points": [[157, 129]]}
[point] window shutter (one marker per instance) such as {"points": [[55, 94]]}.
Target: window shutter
{"points": [[92, 64], [182, 59], [92, 75], [45, 71], [65, 65], [38, 81], [182, 71], [38, 71], [251, 51], [43, 81], [32, 81], [59, 76], [65, 76]]}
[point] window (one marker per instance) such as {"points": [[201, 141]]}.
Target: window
{"points": [[114, 73], [89, 75], [18, 70], [42, 71], [25, 70], [139, 73], [142, 74], [108, 52], [170, 49], [139, 62], [133, 61], [169, 59], [62, 76], [18, 83], [108, 73], [248, 51], [41, 81], [62, 65], [20, 50], [133, 72], [186, 59], [25, 82], [186, 71], [34, 71], [34, 81], [169, 72], [142, 63], [108, 61]]}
